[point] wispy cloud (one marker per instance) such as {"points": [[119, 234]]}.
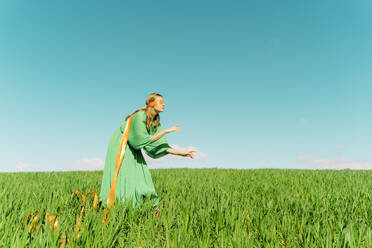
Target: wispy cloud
{"points": [[336, 163], [85, 164], [25, 167]]}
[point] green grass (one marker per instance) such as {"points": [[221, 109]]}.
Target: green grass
{"points": [[199, 208]]}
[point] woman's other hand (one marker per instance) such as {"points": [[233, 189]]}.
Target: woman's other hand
{"points": [[173, 129], [188, 153]]}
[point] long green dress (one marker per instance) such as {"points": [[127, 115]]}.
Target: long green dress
{"points": [[134, 180]]}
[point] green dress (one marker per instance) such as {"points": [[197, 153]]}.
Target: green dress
{"points": [[134, 180]]}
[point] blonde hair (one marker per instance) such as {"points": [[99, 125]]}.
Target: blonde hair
{"points": [[151, 114]]}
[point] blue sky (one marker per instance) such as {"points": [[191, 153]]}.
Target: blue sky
{"points": [[254, 84]]}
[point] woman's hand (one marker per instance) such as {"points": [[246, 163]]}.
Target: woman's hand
{"points": [[173, 129], [188, 153]]}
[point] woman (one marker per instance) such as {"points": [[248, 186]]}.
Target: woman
{"points": [[134, 180]]}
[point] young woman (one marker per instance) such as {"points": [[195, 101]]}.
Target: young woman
{"points": [[134, 180]]}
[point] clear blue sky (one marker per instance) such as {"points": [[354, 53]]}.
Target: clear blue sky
{"points": [[254, 84]]}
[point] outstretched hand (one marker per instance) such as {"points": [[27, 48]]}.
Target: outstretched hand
{"points": [[189, 153], [174, 129]]}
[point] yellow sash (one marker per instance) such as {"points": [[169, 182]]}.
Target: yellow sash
{"points": [[119, 160]]}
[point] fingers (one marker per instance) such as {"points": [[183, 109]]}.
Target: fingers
{"points": [[175, 128], [191, 155]]}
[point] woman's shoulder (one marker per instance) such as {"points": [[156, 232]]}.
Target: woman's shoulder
{"points": [[141, 114]]}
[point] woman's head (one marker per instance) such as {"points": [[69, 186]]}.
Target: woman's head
{"points": [[154, 105], [155, 101]]}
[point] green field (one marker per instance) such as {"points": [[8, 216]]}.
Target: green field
{"points": [[199, 208]]}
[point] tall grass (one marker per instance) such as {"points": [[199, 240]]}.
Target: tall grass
{"points": [[199, 208]]}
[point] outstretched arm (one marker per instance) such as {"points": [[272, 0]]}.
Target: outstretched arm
{"points": [[188, 153], [172, 150], [162, 133], [159, 135]]}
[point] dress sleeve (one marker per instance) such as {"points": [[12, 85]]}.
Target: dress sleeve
{"points": [[138, 136], [158, 148]]}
